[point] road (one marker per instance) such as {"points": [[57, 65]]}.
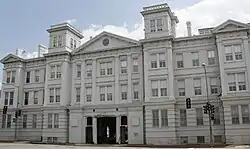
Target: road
{"points": [[36, 146]]}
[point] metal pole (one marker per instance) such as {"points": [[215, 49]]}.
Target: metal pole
{"points": [[16, 114], [209, 111]]}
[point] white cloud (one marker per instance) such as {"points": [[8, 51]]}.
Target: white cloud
{"points": [[135, 33], [206, 13], [71, 21]]}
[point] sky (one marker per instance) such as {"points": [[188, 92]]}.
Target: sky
{"points": [[24, 23]]}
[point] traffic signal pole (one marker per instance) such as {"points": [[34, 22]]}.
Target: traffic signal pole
{"points": [[209, 110]]}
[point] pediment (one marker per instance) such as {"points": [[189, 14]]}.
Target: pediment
{"points": [[104, 41], [230, 25], [10, 58]]}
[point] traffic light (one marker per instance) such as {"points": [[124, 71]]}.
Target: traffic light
{"points": [[19, 112], [205, 109], [188, 103], [212, 116], [14, 119], [16, 114], [212, 109], [5, 109]]}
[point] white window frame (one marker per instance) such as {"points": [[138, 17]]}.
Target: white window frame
{"points": [[198, 87], [136, 91], [183, 118], [211, 57], [181, 87], [37, 76], [55, 97], [152, 26], [78, 94], [179, 60], [56, 73], [135, 65], [124, 91], [195, 59], [35, 97], [34, 120], [124, 62], [235, 114], [89, 68], [199, 117], [159, 24], [88, 94], [78, 70]]}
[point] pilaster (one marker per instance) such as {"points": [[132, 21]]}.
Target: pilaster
{"points": [[118, 132], [247, 56], [170, 73], [83, 89], [94, 130], [117, 76], [221, 63], [94, 92], [129, 78], [146, 84]]}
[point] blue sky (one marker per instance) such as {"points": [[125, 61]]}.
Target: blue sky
{"points": [[24, 22]]}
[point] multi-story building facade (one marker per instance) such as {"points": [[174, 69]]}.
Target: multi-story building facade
{"points": [[142, 85]]}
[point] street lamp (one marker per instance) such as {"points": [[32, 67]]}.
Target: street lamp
{"points": [[16, 111], [208, 107]]}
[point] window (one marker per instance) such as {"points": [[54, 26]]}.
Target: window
{"points": [[28, 77], [181, 87], [34, 118], [155, 114], [78, 71], [54, 139], [245, 114], [200, 139], [109, 68], [237, 52], [56, 120], [109, 93], [25, 121], [231, 82], [52, 72], [217, 116], [184, 140], [58, 71], [74, 44], [71, 43], [103, 68], [179, 60], [235, 114], [50, 119], [35, 97], [102, 93], [54, 42], [51, 95], [228, 53], [199, 116], [4, 121], [159, 25], [183, 117], [195, 60], [154, 88], [6, 98], [8, 77], [57, 94], [197, 86], [13, 76], [211, 57], [59, 41], [164, 117], [78, 96], [88, 94], [37, 75], [11, 98], [162, 60], [123, 66], [89, 70], [241, 82], [153, 58], [163, 85], [213, 86], [9, 121], [49, 139], [152, 26], [124, 90], [136, 90], [26, 98], [135, 65], [217, 139], [89, 121]]}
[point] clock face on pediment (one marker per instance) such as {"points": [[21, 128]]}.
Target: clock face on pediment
{"points": [[105, 41]]}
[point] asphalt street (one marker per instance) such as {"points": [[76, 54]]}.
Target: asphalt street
{"points": [[36, 146]]}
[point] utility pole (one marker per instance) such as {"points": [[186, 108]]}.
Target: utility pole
{"points": [[209, 109]]}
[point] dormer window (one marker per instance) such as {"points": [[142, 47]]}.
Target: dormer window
{"points": [[159, 25], [55, 42], [156, 25]]}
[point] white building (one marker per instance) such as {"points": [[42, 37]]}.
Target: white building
{"points": [[141, 86]]}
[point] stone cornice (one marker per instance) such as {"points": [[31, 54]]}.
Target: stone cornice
{"points": [[171, 37]]}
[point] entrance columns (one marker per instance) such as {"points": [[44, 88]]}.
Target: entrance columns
{"points": [[94, 119], [118, 132]]}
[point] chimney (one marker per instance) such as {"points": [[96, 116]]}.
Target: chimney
{"points": [[189, 28]]}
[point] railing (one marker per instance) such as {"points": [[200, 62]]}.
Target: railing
{"points": [[155, 7]]}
